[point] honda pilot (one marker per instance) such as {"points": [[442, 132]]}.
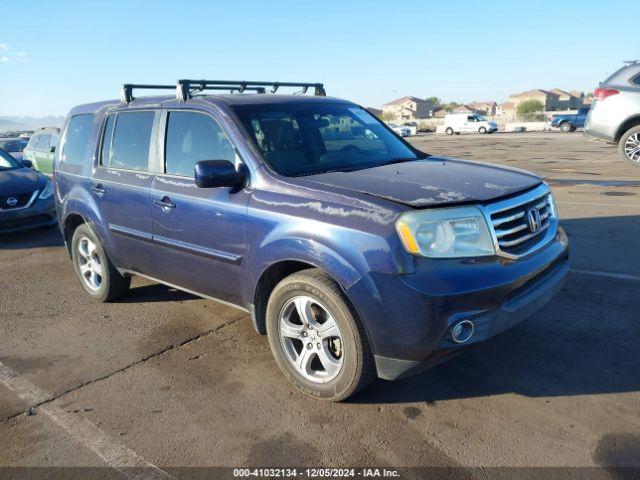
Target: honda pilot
{"points": [[357, 255]]}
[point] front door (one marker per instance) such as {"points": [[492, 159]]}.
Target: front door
{"points": [[199, 233], [121, 186]]}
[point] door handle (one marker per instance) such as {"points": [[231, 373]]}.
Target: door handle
{"points": [[98, 190], [165, 204]]}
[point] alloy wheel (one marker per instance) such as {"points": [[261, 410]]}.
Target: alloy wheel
{"points": [[632, 147], [89, 264], [311, 339]]}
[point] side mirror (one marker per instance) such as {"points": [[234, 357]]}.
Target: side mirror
{"points": [[219, 173], [27, 163], [52, 149]]}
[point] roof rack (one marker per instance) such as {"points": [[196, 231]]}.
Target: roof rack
{"points": [[184, 89], [126, 93], [630, 62]]}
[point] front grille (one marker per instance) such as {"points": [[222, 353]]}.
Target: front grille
{"points": [[13, 201], [524, 223]]}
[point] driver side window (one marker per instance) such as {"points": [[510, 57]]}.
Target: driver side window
{"points": [[192, 137]]}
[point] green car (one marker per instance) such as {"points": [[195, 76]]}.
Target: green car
{"points": [[41, 148]]}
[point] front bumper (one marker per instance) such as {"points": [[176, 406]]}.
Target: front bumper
{"points": [[40, 214], [419, 310]]}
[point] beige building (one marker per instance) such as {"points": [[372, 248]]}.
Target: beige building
{"points": [[408, 109], [550, 100], [506, 108], [483, 108]]}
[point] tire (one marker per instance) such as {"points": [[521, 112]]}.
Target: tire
{"points": [[336, 366], [96, 273], [482, 130], [629, 145], [449, 131], [566, 127]]}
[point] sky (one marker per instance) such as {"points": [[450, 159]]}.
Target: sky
{"points": [[57, 54]]}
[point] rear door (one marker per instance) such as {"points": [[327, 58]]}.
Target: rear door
{"points": [[43, 155], [199, 233], [121, 187]]}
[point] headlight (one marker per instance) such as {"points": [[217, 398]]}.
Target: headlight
{"points": [[446, 233], [48, 191]]}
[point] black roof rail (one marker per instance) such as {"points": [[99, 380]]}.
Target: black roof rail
{"points": [[185, 86], [126, 94]]}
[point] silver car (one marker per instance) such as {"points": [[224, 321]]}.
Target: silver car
{"points": [[615, 114]]}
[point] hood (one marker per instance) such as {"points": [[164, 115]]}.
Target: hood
{"points": [[433, 181], [19, 180]]}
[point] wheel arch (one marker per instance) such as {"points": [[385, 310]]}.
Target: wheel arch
{"points": [[630, 122], [71, 223]]}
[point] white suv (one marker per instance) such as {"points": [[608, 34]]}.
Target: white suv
{"points": [[615, 114]]}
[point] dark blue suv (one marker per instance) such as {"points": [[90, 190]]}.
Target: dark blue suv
{"points": [[356, 254]]}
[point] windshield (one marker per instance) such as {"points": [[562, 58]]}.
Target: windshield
{"points": [[12, 146], [7, 162], [480, 118], [310, 138]]}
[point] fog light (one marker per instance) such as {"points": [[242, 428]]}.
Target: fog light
{"points": [[462, 331]]}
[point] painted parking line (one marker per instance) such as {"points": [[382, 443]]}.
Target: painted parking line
{"points": [[116, 455], [619, 276]]}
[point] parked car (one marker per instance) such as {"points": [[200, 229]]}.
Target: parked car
{"points": [[615, 113], [13, 146], [412, 126], [468, 123], [570, 122], [26, 196], [41, 149], [401, 130], [357, 256]]}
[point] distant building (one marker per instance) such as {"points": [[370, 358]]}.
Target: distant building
{"points": [[568, 100], [374, 111], [463, 109], [483, 108], [550, 100], [408, 109], [506, 108]]}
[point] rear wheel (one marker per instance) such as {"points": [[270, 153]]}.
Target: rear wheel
{"points": [[98, 276], [566, 127], [449, 131], [317, 338], [629, 146]]}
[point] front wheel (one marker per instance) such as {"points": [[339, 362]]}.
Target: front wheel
{"points": [[629, 146], [317, 338], [98, 276], [482, 130], [449, 131], [566, 127]]}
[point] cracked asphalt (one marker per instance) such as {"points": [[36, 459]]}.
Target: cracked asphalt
{"points": [[175, 380]]}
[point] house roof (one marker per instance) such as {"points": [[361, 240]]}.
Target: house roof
{"points": [[507, 106], [577, 93], [536, 92], [402, 100], [489, 103], [374, 111], [560, 93]]}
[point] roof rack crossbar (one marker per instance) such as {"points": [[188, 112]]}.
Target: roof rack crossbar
{"points": [[184, 86], [126, 94]]}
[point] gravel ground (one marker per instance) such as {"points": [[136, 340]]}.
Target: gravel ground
{"points": [[163, 378]]}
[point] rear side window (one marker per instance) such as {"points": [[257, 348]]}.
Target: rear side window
{"points": [[129, 147], [636, 80], [192, 137], [107, 138], [43, 142], [76, 141]]}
